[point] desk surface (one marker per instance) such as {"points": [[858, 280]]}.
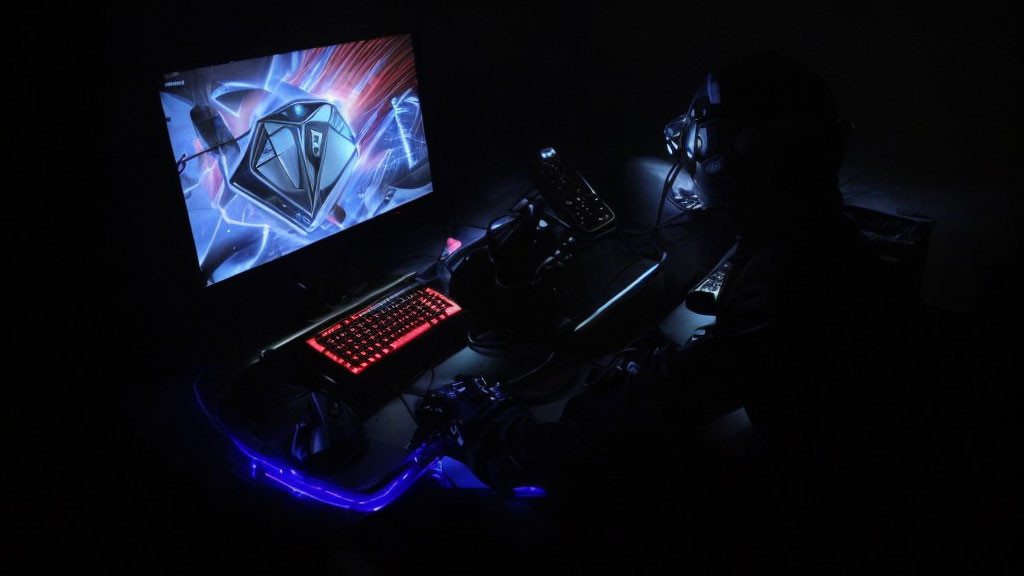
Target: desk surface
{"points": [[601, 270]]}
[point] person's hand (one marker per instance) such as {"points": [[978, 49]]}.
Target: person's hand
{"points": [[454, 411], [643, 358]]}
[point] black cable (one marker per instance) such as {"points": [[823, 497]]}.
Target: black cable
{"points": [[490, 225], [214, 416], [430, 385], [611, 364], [217, 424], [533, 277], [670, 179], [529, 188], [672, 220], [236, 358], [407, 408], [503, 344], [611, 361], [620, 231], [213, 412], [532, 371]]}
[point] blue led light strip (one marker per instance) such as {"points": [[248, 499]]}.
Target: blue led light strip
{"points": [[618, 296], [529, 492], [412, 469], [370, 501]]}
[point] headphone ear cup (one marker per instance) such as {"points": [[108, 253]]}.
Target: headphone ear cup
{"points": [[715, 179], [716, 165]]}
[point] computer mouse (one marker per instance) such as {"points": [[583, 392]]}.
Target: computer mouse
{"points": [[326, 435]]}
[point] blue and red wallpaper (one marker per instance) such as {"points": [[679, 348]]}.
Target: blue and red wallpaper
{"points": [[278, 152]]}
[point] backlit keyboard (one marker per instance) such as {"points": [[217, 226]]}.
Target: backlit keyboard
{"points": [[366, 337]]}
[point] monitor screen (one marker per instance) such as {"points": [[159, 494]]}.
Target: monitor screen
{"points": [[278, 152]]}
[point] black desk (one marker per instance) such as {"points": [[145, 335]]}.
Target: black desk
{"points": [[603, 270]]}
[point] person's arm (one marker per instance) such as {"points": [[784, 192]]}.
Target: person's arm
{"points": [[712, 374]]}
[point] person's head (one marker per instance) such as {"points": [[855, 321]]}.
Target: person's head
{"points": [[762, 137]]}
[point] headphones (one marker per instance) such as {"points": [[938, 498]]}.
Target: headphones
{"points": [[700, 141], [718, 150]]}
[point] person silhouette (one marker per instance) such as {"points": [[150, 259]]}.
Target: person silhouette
{"points": [[799, 340]]}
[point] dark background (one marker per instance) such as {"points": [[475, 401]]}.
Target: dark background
{"points": [[111, 317]]}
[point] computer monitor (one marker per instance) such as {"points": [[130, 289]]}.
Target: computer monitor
{"points": [[276, 153]]}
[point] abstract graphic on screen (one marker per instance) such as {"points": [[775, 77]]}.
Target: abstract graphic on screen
{"points": [[276, 153]]}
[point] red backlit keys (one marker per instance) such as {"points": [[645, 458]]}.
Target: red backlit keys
{"points": [[366, 337]]}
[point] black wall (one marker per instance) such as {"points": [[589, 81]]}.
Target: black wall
{"points": [[930, 93]]}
